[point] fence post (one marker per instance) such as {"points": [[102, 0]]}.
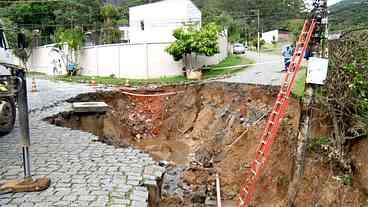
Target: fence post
{"points": [[119, 47], [97, 61], [147, 66]]}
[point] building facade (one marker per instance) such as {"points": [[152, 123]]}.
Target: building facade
{"points": [[156, 22]]}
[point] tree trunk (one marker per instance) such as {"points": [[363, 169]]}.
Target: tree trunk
{"points": [[190, 60]]}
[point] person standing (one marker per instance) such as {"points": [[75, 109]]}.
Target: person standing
{"points": [[287, 53]]}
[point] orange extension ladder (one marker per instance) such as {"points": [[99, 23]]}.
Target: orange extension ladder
{"points": [[278, 112]]}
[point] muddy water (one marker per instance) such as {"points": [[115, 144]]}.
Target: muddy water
{"points": [[175, 151]]}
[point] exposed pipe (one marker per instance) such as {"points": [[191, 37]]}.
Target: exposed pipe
{"points": [[152, 95], [218, 190]]}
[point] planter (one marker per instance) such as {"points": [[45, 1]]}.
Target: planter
{"points": [[194, 75]]}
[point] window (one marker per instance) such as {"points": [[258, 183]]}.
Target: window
{"points": [[142, 25]]}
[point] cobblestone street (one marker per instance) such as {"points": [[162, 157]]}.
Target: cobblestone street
{"points": [[83, 172]]}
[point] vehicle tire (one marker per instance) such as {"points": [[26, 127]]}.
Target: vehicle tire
{"points": [[7, 115]]}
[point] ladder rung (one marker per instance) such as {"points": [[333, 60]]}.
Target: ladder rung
{"points": [[257, 162], [241, 201], [267, 134]]}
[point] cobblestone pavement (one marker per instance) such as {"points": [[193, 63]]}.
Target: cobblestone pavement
{"points": [[83, 172]]}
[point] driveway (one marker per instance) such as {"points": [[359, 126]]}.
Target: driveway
{"points": [[265, 72], [83, 172]]}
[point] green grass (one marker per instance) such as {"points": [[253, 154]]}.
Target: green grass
{"points": [[209, 73], [232, 60], [272, 48], [34, 73], [299, 87], [121, 81]]}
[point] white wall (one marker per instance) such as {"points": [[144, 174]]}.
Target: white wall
{"points": [[160, 20], [45, 59], [268, 37], [134, 61]]}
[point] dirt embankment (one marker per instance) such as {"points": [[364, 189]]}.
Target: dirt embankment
{"points": [[212, 128]]}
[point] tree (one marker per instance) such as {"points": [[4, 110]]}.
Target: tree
{"points": [[196, 41], [24, 52], [74, 39], [110, 34], [295, 26], [32, 16]]}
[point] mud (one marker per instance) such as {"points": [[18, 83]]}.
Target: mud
{"points": [[199, 131]]}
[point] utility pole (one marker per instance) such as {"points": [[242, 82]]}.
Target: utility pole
{"points": [[320, 14], [259, 35]]}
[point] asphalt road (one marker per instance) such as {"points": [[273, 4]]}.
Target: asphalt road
{"points": [[267, 70]]}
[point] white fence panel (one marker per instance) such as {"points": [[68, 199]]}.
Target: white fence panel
{"points": [[40, 60], [133, 59], [161, 63], [108, 60], [88, 61]]}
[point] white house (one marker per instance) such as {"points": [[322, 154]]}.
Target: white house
{"points": [[271, 36], [155, 22], [124, 33]]}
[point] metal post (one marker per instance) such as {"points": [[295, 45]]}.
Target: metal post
{"points": [[24, 123], [259, 36]]}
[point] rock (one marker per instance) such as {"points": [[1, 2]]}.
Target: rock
{"points": [[210, 202]]}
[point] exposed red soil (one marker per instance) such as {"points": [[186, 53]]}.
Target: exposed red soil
{"points": [[195, 126]]}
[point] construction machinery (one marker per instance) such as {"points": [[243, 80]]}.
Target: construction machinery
{"points": [[13, 91], [310, 36], [8, 82]]}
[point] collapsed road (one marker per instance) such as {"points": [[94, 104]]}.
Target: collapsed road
{"points": [[160, 145], [83, 172], [195, 131]]}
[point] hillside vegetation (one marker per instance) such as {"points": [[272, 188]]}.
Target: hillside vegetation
{"points": [[102, 18], [348, 14]]}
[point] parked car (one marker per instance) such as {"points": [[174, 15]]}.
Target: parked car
{"points": [[239, 48]]}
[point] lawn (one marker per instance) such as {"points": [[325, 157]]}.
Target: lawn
{"points": [[121, 81], [221, 70], [274, 49], [216, 71], [299, 87]]}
